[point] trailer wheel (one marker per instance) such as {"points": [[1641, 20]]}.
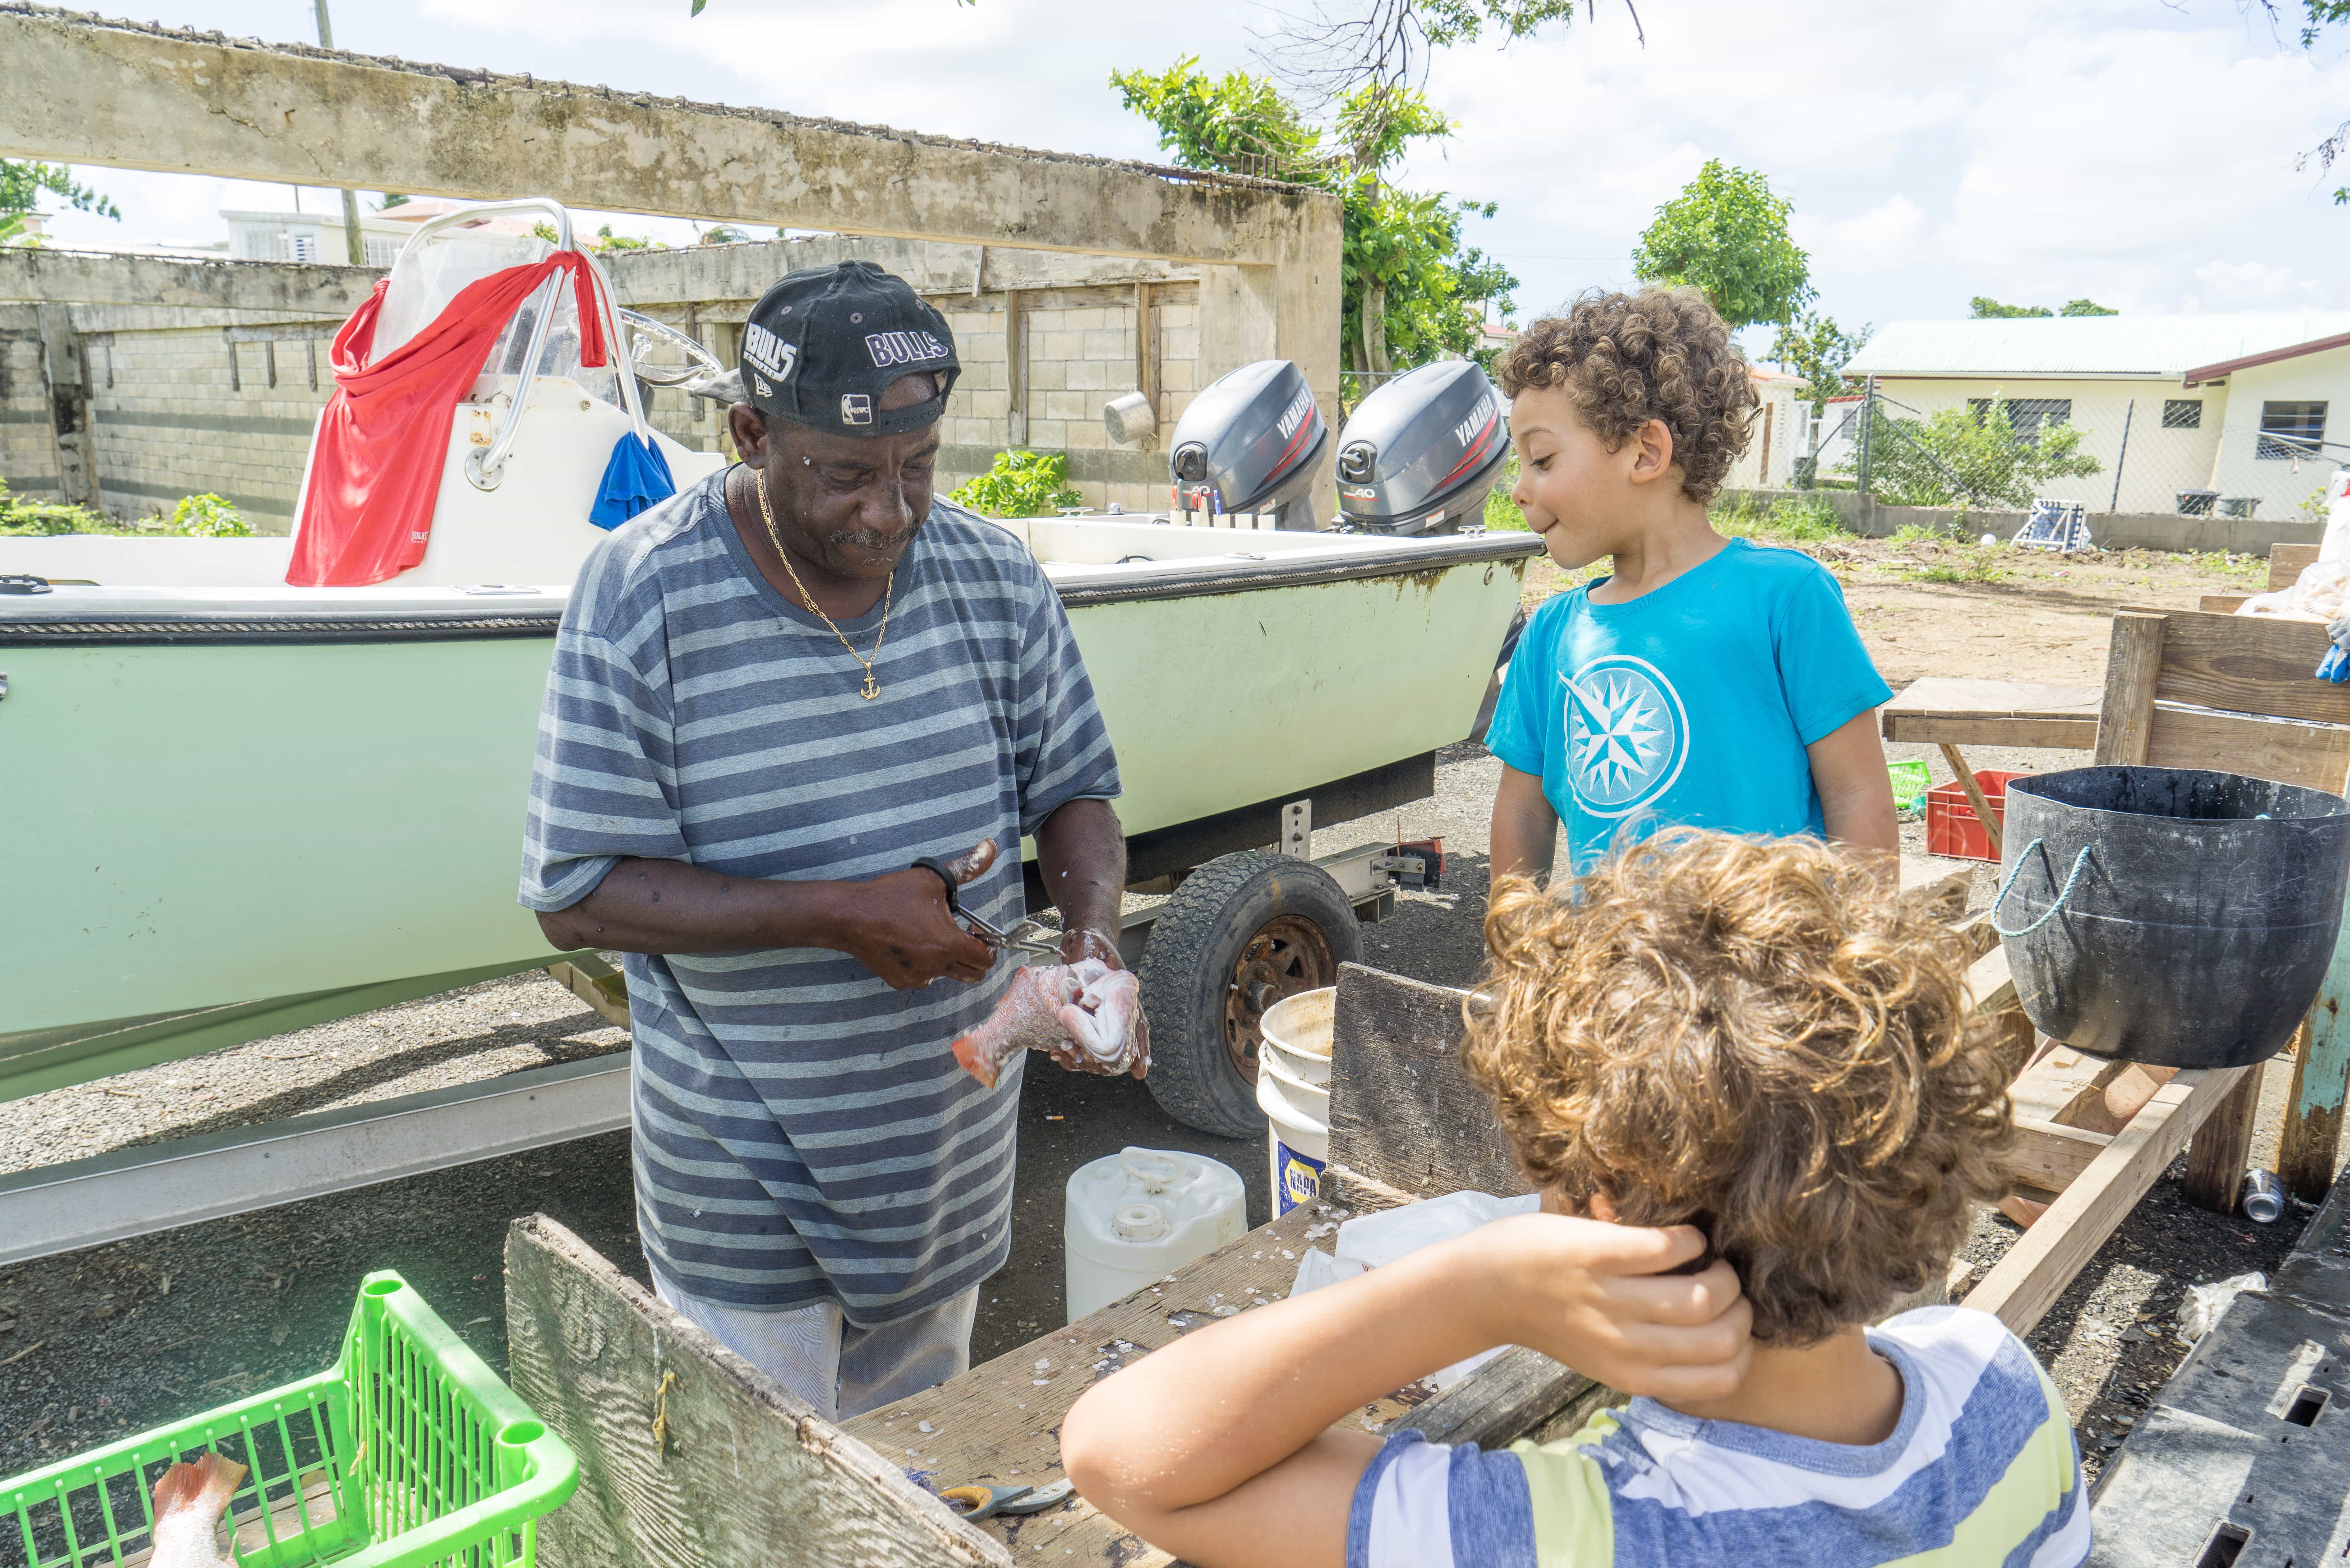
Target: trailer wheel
{"points": [[1240, 933]]}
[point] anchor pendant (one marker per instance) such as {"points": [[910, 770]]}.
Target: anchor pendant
{"points": [[870, 690]]}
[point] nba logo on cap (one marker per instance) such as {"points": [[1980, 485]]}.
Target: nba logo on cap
{"points": [[855, 409]]}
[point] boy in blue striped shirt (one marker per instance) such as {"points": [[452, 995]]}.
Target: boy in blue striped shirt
{"points": [[1703, 1030]]}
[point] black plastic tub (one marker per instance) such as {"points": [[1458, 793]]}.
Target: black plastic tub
{"points": [[2170, 916]]}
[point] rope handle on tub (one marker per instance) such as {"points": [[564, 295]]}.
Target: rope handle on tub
{"points": [[2048, 914]]}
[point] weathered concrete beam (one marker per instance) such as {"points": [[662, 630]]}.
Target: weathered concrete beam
{"points": [[84, 278], [155, 97], [740, 272]]}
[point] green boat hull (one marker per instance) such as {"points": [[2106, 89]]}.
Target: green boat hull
{"points": [[218, 839]]}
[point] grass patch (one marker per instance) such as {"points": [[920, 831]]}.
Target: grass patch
{"points": [[1809, 522]]}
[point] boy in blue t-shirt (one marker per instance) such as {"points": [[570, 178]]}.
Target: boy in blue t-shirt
{"points": [[1706, 682], [1708, 1044]]}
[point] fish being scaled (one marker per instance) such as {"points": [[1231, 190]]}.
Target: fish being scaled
{"points": [[189, 1501], [1084, 1015]]}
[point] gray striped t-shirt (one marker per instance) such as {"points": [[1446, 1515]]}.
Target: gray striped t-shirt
{"points": [[803, 1133]]}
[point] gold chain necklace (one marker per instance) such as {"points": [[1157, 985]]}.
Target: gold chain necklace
{"points": [[872, 688]]}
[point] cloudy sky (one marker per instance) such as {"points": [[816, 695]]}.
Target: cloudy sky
{"points": [[2137, 152]]}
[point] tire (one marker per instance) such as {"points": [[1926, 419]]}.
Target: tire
{"points": [[1270, 921]]}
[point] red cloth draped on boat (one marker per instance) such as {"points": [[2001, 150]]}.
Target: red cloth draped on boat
{"points": [[375, 469]]}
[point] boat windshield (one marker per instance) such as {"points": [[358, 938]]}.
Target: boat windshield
{"points": [[435, 272]]}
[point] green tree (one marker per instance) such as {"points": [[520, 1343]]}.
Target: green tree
{"points": [[21, 183], [1968, 456], [1410, 290], [1814, 348], [2319, 15], [1982, 307], [1726, 234]]}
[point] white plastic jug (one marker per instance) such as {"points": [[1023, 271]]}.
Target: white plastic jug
{"points": [[1139, 1215]]}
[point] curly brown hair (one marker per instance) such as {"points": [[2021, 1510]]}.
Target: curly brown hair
{"points": [[1659, 353], [1758, 1038]]}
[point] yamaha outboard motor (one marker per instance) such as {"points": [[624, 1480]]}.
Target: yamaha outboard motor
{"points": [[1252, 443], [1422, 451]]}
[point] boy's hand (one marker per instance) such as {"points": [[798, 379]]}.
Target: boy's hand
{"points": [[1593, 1296]]}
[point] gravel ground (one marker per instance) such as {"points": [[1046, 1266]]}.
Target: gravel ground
{"points": [[99, 1343]]}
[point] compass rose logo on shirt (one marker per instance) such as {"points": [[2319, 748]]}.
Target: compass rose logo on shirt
{"points": [[1627, 734]]}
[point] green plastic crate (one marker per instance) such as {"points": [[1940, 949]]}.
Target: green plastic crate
{"points": [[407, 1451], [1910, 781]]}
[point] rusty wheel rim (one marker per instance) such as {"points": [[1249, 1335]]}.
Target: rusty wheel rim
{"points": [[1288, 954]]}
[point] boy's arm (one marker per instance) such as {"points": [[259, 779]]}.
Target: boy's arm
{"points": [[1217, 1448], [1855, 791], [1526, 828]]}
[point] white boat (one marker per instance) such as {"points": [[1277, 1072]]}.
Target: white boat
{"points": [[241, 807]]}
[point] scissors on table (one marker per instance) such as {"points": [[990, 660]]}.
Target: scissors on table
{"points": [[1028, 936], [979, 1500]]}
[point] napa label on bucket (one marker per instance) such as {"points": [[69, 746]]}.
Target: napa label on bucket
{"points": [[1296, 1177]]}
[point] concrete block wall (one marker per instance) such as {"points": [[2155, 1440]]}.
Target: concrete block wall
{"points": [[29, 453], [169, 416], [175, 421]]}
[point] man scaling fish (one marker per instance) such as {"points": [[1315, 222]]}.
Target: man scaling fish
{"points": [[800, 717]]}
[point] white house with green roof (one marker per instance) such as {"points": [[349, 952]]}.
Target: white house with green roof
{"points": [[2255, 407]]}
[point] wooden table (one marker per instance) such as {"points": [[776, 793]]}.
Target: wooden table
{"points": [[1950, 712]]}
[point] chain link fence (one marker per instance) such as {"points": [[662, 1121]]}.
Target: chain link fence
{"points": [[2125, 452]]}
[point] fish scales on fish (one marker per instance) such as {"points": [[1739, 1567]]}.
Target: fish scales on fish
{"points": [[1085, 1016]]}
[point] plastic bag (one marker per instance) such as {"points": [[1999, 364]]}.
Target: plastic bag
{"points": [[2317, 595], [2205, 1304], [1383, 1237]]}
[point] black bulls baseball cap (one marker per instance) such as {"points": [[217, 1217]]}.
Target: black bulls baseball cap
{"points": [[823, 342]]}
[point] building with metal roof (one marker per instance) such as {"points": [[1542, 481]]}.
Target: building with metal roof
{"points": [[2180, 413]]}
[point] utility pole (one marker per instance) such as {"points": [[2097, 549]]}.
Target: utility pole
{"points": [[354, 246]]}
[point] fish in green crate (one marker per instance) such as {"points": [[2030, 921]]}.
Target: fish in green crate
{"points": [[189, 1501]]}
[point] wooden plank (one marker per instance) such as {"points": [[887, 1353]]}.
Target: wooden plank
{"points": [[596, 983], [2133, 664], [2215, 1158], [2221, 604], [1001, 1422], [2025, 1282], [2321, 1080], [1511, 1397], [2050, 1155], [2068, 734], [1402, 1111], [2287, 562], [1959, 697], [2247, 664], [2312, 755], [689, 1456]]}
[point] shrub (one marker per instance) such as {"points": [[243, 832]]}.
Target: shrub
{"points": [[1020, 484], [1960, 455], [207, 516]]}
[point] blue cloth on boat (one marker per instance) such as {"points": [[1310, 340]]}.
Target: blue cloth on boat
{"points": [[637, 477], [1689, 706]]}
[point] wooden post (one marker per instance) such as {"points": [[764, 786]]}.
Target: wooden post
{"points": [[1402, 1111], [2132, 662], [2321, 1071], [1146, 350], [689, 1456], [2215, 1158], [1015, 369]]}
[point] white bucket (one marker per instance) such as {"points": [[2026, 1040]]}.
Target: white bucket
{"points": [[1298, 1140], [1139, 1215], [1297, 1030]]}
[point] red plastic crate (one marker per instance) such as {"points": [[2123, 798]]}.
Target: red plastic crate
{"points": [[1951, 826]]}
